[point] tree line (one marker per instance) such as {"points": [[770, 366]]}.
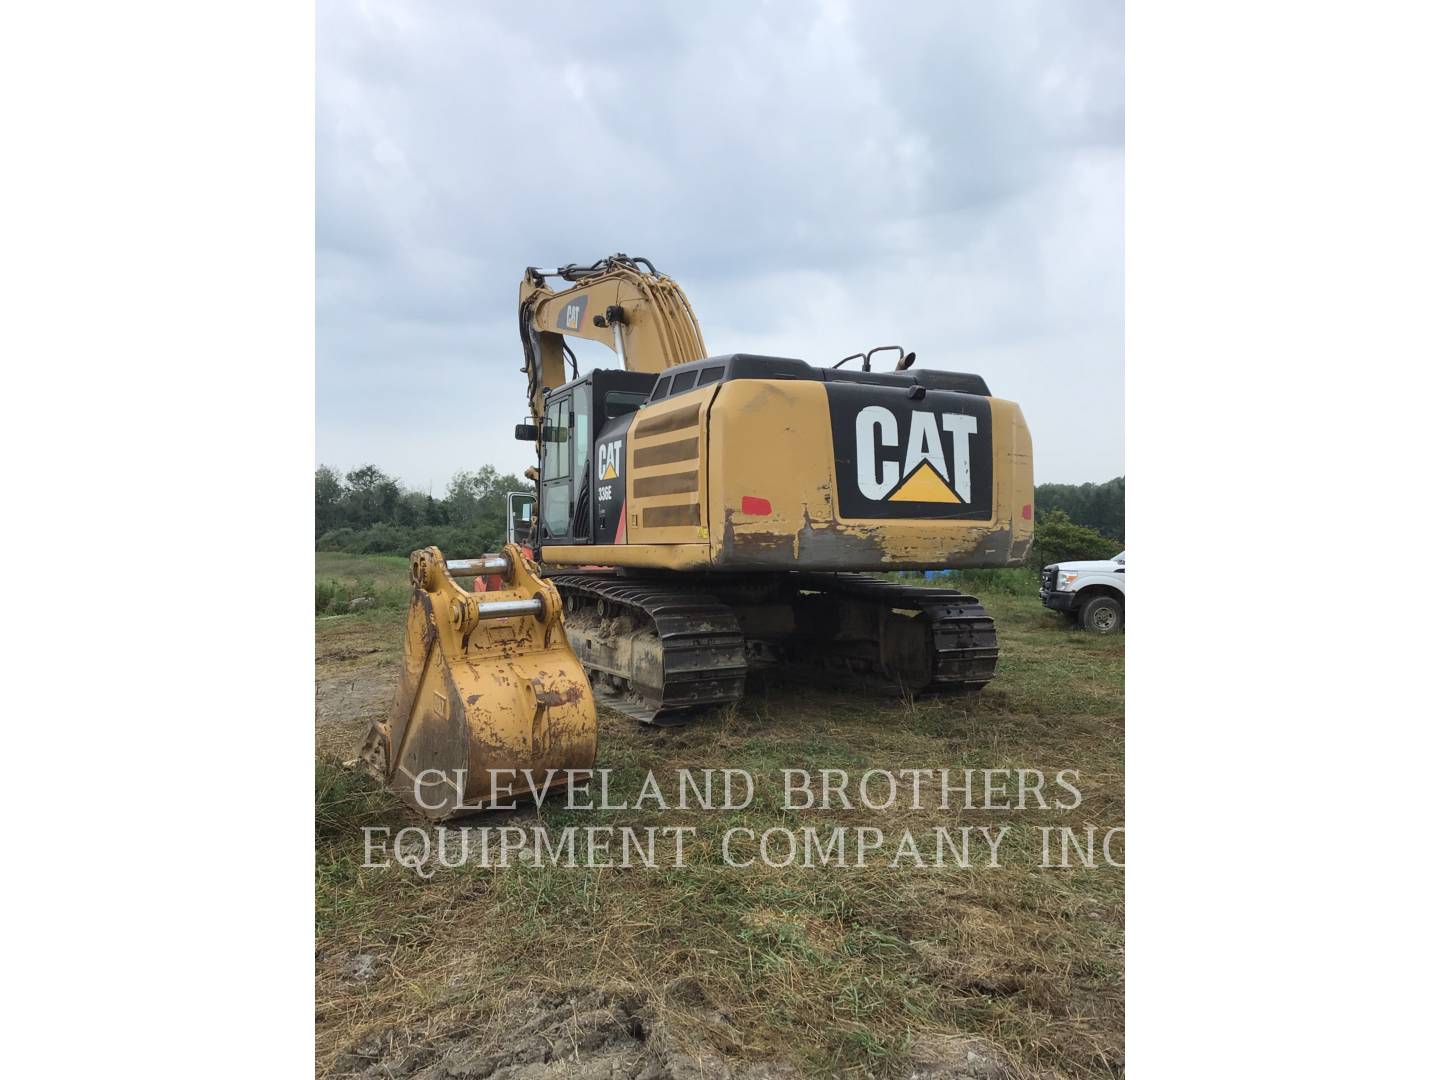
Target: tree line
{"points": [[1078, 521], [366, 512], [1095, 506]]}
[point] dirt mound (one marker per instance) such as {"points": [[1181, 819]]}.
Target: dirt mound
{"points": [[603, 1035]]}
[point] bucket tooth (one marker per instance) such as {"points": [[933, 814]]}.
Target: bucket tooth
{"points": [[492, 704]]}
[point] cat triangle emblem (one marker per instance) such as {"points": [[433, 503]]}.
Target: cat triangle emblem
{"points": [[924, 485]]}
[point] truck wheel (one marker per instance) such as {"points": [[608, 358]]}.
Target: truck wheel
{"points": [[1102, 614]]}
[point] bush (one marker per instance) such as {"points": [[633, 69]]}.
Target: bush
{"points": [[386, 540], [1007, 581], [1058, 539], [333, 597], [456, 541], [328, 596]]}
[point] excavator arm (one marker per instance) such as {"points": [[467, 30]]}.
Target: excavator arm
{"points": [[491, 687], [623, 303]]}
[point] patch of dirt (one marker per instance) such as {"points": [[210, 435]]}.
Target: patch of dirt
{"points": [[357, 664], [363, 967], [345, 652], [961, 977], [610, 1035], [956, 1057], [346, 703], [584, 1033]]}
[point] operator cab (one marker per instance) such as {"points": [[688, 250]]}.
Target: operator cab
{"points": [[577, 416]]}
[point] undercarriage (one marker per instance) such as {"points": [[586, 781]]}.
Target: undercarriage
{"points": [[660, 647]]}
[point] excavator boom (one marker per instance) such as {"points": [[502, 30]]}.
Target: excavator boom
{"points": [[623, 303]]}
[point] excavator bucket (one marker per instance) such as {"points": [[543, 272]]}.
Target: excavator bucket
{"points": [[492, 706]]}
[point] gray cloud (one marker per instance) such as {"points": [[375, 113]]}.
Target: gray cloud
{"points": [[821, 177]]}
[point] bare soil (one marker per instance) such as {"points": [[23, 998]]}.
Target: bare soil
{"points": [[356, 669]]}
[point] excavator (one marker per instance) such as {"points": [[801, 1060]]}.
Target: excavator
{"points": [[700, 518]]}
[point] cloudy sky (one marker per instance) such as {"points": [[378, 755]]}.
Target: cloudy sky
{"points": [[820, 177]]}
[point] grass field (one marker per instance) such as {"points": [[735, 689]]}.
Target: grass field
{"points": [[764, 971]]}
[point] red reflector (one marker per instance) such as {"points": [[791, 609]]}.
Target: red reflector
{"points": [[751, 505], [1025, 512]]}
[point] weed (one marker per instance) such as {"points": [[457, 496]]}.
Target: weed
{"points": [[347, 800]]}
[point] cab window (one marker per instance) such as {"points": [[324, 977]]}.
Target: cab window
{"points": [[622, 402], [557, 440], [555, 482], [581, 422]]}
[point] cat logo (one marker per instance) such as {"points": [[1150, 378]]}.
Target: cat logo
{"points": [[573, 313], [911, 456], [607, 459], [926, 473]]}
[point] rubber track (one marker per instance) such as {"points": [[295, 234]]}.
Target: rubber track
{"points": [[963, 643], [702, 646]]}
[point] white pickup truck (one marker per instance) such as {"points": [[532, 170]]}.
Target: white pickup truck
{"points": [[1092, 593]]}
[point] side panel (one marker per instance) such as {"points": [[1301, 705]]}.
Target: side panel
{"points": [[665, 482], [776, 493]]}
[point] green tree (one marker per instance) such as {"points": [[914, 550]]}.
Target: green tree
{"points": [[328, 493], [371, 497], [1058, 539], [435, 513], [477, 499], [1097, 506]]}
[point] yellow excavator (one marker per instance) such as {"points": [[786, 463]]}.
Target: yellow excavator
{"points": [[699, 518]]}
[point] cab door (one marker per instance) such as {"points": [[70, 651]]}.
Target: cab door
{"points": [[556, 473], [565, 497]]}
